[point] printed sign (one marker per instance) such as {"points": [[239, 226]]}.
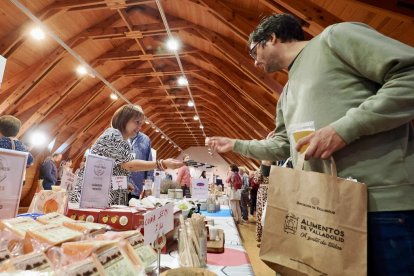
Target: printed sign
{"points": [[120, 182], [96, 184], [158, 222], [200, 188], [68, 180], [2, 68], [12, 171], [157, 186]]}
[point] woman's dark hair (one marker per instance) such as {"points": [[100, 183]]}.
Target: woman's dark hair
{"points": [[285, 26], [124, 114], [203, 174], [234, 168], [9, 125]]}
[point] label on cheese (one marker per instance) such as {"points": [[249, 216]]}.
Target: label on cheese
{"points": [[55, 233], [115, 263], [146, 254], [21, 224], [55, 218], [136, 240], [33, 261], [84, 225], [85, 267]]}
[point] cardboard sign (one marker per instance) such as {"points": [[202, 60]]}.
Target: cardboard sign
{"points": [[158, 222], [200, 188], [12, 171], [96, 184], [68, 181], [157, 186], [119, 182]]}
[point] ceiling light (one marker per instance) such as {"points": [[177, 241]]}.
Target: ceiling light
{"points": [[81, 70], [201, 126], [114, 96], [170, 142], [175, 146], [190, 103], [38, 139], [182, 81], [179, 149], [162, 136], [157, 130], [196, 118], [153, 126], [173, 44], [147, 122], [37, 33]]}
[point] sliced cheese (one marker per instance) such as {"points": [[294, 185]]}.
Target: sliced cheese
{"points": [[115, 262], [84, 226], [36, 261], [19, 225], [86, 267], [54, 218], [76, 251]]}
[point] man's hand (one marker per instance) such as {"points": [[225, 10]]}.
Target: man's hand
{"points": [[220, 144], [322, 143]]}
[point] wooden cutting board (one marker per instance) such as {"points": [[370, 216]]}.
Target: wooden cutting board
{"points": [[218, 245]]}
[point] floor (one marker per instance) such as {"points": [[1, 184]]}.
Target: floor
{"points": [[248, 235]]}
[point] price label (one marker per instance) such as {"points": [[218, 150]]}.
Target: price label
{"points": [[119, 182], [158, 222], [68, 180], [200, 188]]}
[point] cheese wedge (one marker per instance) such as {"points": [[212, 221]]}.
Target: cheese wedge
{"points": [[86, 267], [115, 262], [84, 226], [36, 261], [55, 218], [19, 225]]}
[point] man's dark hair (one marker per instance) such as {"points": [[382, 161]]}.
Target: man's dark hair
{"points": [[55, 154], [234, 168], [285, 26], [9, 125]]}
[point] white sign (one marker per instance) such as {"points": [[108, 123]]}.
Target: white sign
{"points": [[157, 186], [147, 184], [68, 180], [200, 188], [96, 184], [2, 68], [12, 171], [119, 182], [158, 222]]}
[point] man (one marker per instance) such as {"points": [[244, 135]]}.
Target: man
{"points": [[244, 194], [141, 147], [49, 172], [354, 87]]}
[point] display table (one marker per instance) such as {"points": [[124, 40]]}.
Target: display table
{"points": [[234, 260]]}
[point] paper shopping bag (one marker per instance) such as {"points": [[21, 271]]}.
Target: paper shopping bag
{"points": [[315, 224]]}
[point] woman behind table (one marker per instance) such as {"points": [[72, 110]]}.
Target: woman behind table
{"points": [[234, 202], [184, 176], [113, 143]]}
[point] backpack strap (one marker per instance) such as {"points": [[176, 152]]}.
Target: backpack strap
{"points": [[13, 144]]}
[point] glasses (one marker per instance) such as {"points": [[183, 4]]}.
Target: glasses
{"points": [[253, 50]]}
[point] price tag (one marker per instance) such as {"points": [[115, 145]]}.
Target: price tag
{"points": [[200, 188], [157, 186], [119, 182], [158, 222], [96, 184], [68, 180], [12, 171]]}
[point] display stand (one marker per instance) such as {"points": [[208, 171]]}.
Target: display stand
{"points": [[159, 244]]}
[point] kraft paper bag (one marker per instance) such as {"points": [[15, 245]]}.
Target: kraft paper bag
{"points": [[315, 224]]}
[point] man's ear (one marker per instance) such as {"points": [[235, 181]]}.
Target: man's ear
{"points": [[273, 38]]}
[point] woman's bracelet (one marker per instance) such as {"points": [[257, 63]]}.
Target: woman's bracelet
{"points": [[160, 165]]}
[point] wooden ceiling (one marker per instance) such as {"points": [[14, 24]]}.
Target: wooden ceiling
{"points": [[124, 40]]}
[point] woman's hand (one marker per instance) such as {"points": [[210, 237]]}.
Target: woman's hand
{"points": [[171, 163], [131, 188]]}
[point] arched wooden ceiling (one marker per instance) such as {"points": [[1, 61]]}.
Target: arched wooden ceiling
{"points": [[124, 41]]}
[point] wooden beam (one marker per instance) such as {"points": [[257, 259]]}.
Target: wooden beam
{"points": [[137, 55]]}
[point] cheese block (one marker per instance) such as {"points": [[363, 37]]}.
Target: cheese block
{"points": [[86, 267], [84, 226], [19, 225], [140, 254], [55, 218], [36, 261], [45, 236], [4, 255], [76, 251], [115, 262]]}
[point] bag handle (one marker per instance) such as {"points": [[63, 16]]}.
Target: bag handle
{"points": [[13, 144], [301, 162]]}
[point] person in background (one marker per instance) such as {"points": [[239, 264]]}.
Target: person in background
{"points": [[9, 128], [49, 171], [354, 87], [233, 176], [141, 147], [203, 174], [261, 178], [81, 165], [113, 143], [244, 194], [65, 165], [253, 192], [184, 176]]}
